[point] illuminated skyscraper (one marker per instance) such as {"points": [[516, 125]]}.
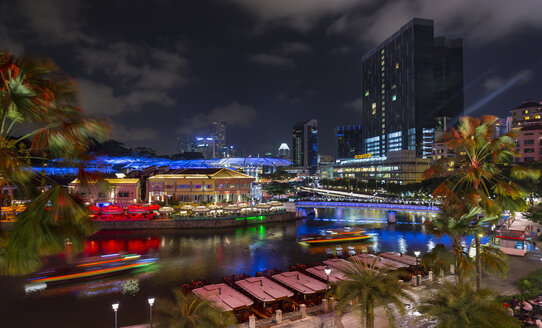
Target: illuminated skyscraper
{"points": [[218, 132], [408, 80], [305, 145]]}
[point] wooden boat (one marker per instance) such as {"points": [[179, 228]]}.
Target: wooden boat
{"points": [[226, 299], [307, 290], [267, 294], [335, 236]]}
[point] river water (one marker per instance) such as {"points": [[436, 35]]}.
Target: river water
{"points": [[187, 255]]}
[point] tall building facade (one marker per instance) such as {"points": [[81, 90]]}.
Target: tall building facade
{"points": [[349, 141], [305, 145], [284, 150], [183, 144], [218, 133], [205, 146], [409, 80]]}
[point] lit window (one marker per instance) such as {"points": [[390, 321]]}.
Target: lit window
{"points": [[374, 111], [394, 97], [526, 111], [382, 63], [382, 51], [527, 118], [537, 117], [383, 126], [383, 103], [393, 86], [396, 65], [383, 68], [373, 106], [383, 91], [367, 93]]}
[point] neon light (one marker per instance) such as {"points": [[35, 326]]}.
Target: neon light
{"points": [[110, 261], [261, 218], [92, 273], [336, 239]]}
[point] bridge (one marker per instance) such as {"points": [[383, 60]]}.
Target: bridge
{"points": [[375, 206]]}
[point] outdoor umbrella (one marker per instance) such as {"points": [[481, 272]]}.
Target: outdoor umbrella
{"points": [[200, 209], [231, 208], [243, 205], [94, 209], [263, 206], [166, 210], [137, 209], [112, 209], [215, 207], [275, 203], [153, 207], [187, 207]]}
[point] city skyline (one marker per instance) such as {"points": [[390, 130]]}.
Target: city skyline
{"points": [[158, 70]]}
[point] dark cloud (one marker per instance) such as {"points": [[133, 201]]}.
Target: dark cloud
{"points": [[495, 82], [478, 21], [272, 60], [234, 114]]}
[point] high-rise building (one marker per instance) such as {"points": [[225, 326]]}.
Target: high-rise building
{"points": [[526, 113], [305, 145], [349, 141], [183, 144], [284, 150], [205, 146], [409, 80], [218, 132]]}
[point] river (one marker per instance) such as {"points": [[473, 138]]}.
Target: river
{"points": [[197, 255]]}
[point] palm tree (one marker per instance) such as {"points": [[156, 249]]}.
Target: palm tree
{"points": [[34, 97], [369, 288], [438, 259], [478, 180], [462, 306], [189, 311]]}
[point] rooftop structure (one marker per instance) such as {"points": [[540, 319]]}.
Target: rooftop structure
{"points": [[223, 297], [264, 289], [334, 276], [528, 112], [300, 282]]}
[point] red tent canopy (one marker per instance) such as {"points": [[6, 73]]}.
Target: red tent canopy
{"points": [[112, 209], [137, 209], [94, 209], [153, 207]]}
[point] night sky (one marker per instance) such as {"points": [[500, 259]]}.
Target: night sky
{"points": [[159, 68]]}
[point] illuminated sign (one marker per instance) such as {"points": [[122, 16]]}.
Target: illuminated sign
{"points": [[362, 156]]}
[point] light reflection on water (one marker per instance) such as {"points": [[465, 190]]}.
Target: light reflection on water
{"points": [[186, 255]]}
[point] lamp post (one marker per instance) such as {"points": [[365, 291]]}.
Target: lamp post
{"points": [[327, 270], [151, 302], [417, 253], [115, 308]]}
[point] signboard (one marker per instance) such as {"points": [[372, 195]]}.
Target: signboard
{"points": [[362, 156]]}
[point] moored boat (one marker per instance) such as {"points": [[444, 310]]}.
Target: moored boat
{"points": [[335, 236]]}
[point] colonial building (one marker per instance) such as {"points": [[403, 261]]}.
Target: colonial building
{"points": [[214, 185], [120, 191]]}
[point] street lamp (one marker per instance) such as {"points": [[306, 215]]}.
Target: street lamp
{"points": [[151, 302], [115, 308], [327, 270], [417, 253]]}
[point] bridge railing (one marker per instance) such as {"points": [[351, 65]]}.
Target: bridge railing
{"points": [[367, 205]]}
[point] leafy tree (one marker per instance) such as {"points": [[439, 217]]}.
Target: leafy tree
{"points": [[278, 188], [534, 213], [112, 148], [35, 97], [462, 306], [368, 288], [190, 311], [478, 180]]}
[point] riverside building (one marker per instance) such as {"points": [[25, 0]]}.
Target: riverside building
{"points": [[305, 145], [198, 186]]}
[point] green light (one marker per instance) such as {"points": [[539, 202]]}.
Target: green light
{"points": [[261, 218], [367, 93]]}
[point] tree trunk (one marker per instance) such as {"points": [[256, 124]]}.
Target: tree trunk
{"points": [[458, 252], [369, 317], [478, 263]]}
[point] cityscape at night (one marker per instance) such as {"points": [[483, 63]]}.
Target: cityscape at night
{"points": [[270, 163]]}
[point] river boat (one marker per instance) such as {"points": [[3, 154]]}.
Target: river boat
{"points": [[307, 290], [268, 295], [88, 269], [336, 236], [226, 299]]}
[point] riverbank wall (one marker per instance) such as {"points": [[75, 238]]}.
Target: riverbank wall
{"points": [[185, 223]]}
